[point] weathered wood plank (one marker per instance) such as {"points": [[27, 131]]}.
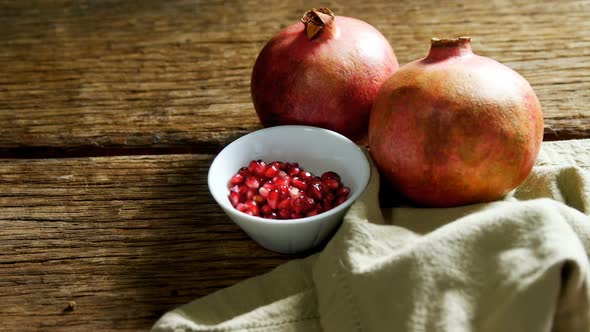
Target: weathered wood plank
{"points": [[125, 238], [112, 74]]}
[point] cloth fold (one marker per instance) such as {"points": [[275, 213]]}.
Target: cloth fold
{"points": [[517, 264]]}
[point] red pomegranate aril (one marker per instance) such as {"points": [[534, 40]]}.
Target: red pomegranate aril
{"points": [[305, 175], [240, 189], [250, 193], [241, 207], [317, 190], [273, 199], [310, 202], [294, 192], [265, 209], [252, 183], [253, 206], [330, 175], [284, 214], [332, 184], [343, 191], [289, 166], [294, 171], [234, 198], [271, 171], [285, 203], [252, 166], [312, 213], [330, 197], [244, 172], [299, 183], [283, 180], [264, 191], [236, 179], [281, 190], [271, 215], [258, 199], [260, 168]]}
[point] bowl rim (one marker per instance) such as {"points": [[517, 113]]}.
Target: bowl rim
{"points": [[228, 208]]}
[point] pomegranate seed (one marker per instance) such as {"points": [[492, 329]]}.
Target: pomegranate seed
{"points": [[252, 166], [250, 193], [306, 176], [332, 184], [273, 199], [289, 166], [329, 197], [331, 175], [271, 171], [280, 164], [309, 203], [281, 190], [283, 214], [236, 179], [317, 190], [271, 215], [244, 172], [284, 189], [303, 203], [258, 199], [269, 184], [312, 213], [234, 198], [260, 168], [265, 209], [264, 191], [240, 189], [284, 203], [252, 183], [294, 171], [242, 207], [294, 192], [343, 191], [286, 180], [253, 206], [298, 183]]}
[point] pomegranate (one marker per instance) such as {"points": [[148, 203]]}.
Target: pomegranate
{"points": [[280, 190], [455, 128], [324, 71]]}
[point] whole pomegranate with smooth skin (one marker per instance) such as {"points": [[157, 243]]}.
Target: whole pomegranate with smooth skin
{"points": [[455, 128], [324, 71]]}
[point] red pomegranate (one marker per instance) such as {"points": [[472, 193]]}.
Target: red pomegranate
{"points": [[455, 128], [324, 71]]}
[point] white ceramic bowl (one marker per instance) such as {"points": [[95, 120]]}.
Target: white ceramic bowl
{"points": [[316, 150]]}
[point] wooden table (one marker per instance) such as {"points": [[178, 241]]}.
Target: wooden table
{"points": [[111, 112]]}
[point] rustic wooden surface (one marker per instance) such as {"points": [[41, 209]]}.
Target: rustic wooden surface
{"points": [[157, 88], [125, 238]]}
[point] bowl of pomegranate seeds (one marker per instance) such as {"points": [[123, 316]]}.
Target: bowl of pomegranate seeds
{"points": [[288, 187]]}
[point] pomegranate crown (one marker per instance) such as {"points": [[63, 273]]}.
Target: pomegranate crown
{"points": [[316, 20]]}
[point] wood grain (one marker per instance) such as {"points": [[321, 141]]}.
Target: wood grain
{"points": [[124, 238], [112, 74]]}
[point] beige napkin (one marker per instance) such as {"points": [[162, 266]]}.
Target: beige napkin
{"points": [[519, 264]]}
